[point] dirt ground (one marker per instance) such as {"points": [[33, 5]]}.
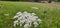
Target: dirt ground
{"points": [[54, 5]]}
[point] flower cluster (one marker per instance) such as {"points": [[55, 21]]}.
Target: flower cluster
{"points": [[26, 19]]}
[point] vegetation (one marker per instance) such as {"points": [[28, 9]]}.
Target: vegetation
{"points": [[49, 1], [50, 19]]}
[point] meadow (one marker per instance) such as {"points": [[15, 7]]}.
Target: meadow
{"points": [[50, 19]]}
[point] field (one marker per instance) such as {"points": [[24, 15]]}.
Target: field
{"points": [[51, 19]]}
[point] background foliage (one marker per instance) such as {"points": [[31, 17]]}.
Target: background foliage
{"points": [[31, 0]]}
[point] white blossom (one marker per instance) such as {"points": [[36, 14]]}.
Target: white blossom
{"points": [[18, 13], [15, 22], [33, 14], [35, 24], [26, 26], [39, 20], [15, 17], [35, 8], [6, 14], [27, 19]]}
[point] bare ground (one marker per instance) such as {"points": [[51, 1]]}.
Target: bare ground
{"points": [[45, 4]]}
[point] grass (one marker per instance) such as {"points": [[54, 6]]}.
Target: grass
{"points": [[51, 19], [57, 2]]}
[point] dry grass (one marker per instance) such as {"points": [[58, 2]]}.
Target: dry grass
{"points": [[53, 5]]}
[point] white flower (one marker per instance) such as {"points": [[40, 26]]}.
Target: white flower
{"points": [[20, 24], [35, 8], [33, 14], [6, 14], [39, 20], [15, 17], [26, 26], [15, 22], [27, 19], [35, 24], [19, 14]]}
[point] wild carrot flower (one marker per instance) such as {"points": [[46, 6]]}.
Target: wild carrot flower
{"points": [[27, 19]]}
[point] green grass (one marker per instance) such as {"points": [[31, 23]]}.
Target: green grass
{"points": [[57, 2], [51, 19]]}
